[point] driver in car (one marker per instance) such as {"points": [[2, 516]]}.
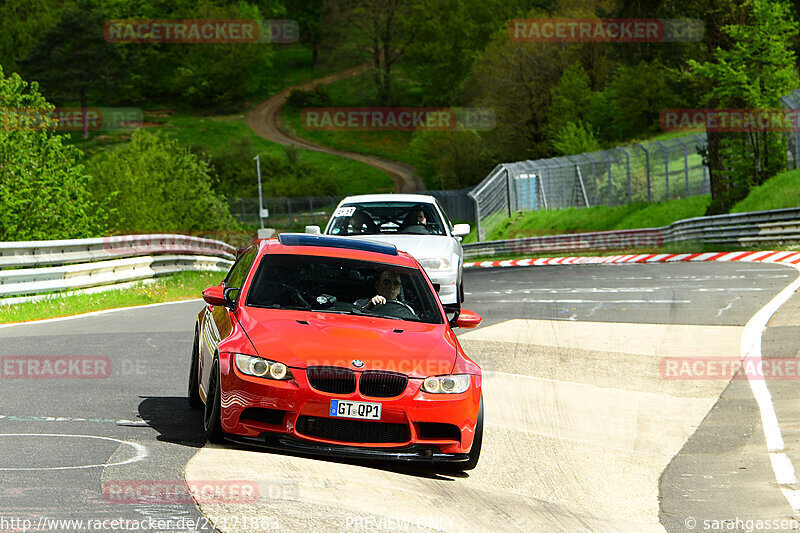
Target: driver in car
{"points": [[388, 286]]}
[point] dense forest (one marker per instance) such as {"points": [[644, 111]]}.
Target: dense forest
{"points": [[548, 98]]}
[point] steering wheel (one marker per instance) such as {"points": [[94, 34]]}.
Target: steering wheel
{"points": [[398, 302]]}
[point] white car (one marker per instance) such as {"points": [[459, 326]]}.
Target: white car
{"points": [[414, 223]]}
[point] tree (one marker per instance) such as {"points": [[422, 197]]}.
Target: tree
{"points": [[22, 23], [381, 29], [153, 184], [451, 36], [753, 73], [73, 58], [309, 15], [569, 100], [43, 186]]}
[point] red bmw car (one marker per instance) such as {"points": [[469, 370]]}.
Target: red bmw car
{"points": [[336, 346]]}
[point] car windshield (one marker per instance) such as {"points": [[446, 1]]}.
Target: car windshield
{"points": [[336, 285], [371, 218]]}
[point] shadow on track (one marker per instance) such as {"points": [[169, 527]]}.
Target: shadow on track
{"points": [[174, 420]]}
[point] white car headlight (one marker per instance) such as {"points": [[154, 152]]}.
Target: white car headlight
{"points": [[261, 368], [452, 384], [436, 263]]}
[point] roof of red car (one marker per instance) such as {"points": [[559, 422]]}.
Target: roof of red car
{"points": [[306, 244]]}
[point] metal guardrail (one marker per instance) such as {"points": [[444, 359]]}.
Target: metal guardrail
{"points": [[775, 227], [39, 253], [37, 267]]}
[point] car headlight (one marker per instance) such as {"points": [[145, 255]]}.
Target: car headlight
{"points": [[261, 368], [436, 263], [452, 384]]}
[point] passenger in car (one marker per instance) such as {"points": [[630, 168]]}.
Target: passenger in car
{"points": [[361, 223]]}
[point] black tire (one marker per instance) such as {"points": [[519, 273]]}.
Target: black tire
{"points": [[211, 414], [461, 292], [474, 452], [195, 402]]}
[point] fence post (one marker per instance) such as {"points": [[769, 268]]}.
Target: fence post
{"points": [[685, 164], [647, 171], [628, 172], [594, 176], [508, 189], [478, 229], [666, 167], [706, 179]]}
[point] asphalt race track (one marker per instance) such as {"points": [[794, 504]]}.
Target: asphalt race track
{"points": [[583, 432]]}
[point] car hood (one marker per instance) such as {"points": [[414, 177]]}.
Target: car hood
{"points": [[301, 339], [419, 246]]}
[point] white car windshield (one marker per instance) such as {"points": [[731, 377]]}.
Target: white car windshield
{"points": [[371, 218]]}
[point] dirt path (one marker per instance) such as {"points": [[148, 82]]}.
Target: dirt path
{"points": [[265, 119]]}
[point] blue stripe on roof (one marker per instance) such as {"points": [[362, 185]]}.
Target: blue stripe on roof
{"points": [[304, 239]]}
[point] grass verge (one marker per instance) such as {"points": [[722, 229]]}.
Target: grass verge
{"points": [[777, 192], [599, 218], [181, 286]]}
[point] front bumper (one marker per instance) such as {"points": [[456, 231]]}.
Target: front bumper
{"points": [[290, 400], [411, 454]]}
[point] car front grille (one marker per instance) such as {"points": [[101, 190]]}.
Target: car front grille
{"points": [[382, 384], [355, 431], [332, 379]]}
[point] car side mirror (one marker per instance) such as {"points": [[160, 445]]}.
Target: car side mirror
{"points": [[313, 230], [461, 230], [467, 319], [221, 296], [437, 286], [215, 296]]}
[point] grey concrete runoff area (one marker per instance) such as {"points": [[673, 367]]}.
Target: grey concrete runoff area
{"points": [[586, 429]]}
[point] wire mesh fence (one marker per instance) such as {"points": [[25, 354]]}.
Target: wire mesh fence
{"points": [[294, 213], [792, 101], [285, 212], [649, 172]]}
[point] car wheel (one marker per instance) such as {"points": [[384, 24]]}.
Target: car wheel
{"points": [[211, 415], [475, 451], [461, 292], [195, 402]]}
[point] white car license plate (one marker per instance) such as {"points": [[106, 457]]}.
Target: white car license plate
{"points": [[362, 410]]}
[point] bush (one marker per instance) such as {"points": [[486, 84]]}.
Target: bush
{"points": [[43, 186], [301, 99], [629, 106], [575, 138], [153, 184], [451, 159]]}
